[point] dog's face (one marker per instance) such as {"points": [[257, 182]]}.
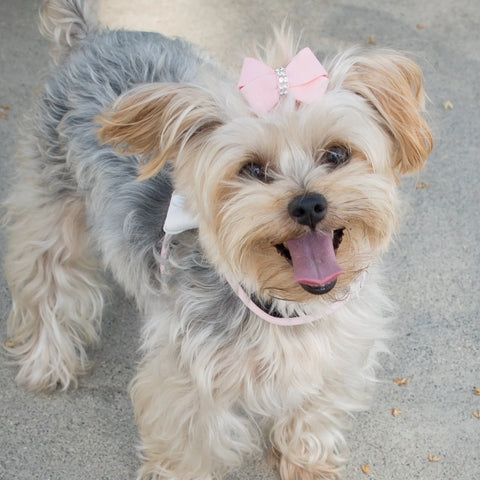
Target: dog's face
{"points": [[287, 204], [293, 204]]}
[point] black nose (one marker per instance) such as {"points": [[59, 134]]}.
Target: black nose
{"points": [[309, 209]]}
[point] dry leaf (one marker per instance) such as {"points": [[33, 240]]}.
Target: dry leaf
{"points": [[476, 414], [401, 382], [9, 344], [476, 391], [5, 107], [365, 469], [371, 41], [448, 105], [420, 26], [396, 412], [422, 185], [4, 116], [433, 458]]}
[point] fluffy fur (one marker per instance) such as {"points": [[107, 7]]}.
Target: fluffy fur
{"points": [[123, 119]]}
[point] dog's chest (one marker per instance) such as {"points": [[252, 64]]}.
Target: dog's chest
{"points": [[286, 369]]}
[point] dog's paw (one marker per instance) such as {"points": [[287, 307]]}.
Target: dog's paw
{"points": [[291, 471], [149, 473], [43, 368]]}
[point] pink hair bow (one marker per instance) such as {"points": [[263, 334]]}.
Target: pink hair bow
{"points": [[304, 77]]}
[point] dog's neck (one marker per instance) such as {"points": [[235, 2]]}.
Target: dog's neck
{"points": [[271, 315], [179, 220]]}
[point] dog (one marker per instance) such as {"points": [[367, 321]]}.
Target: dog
{"points": [[247, 218]]}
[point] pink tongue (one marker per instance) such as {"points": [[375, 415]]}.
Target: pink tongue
{"points": [[313, 258]]}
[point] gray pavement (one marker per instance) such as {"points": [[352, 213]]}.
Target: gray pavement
{"points": [[433, 268]]}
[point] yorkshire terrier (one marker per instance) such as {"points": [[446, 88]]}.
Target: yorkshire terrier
{"points": [[246, 218]]}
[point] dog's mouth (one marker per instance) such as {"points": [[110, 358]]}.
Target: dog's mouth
{"points": [[313, 258]]}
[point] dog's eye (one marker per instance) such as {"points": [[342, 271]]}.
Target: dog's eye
{"points": [[336, 155], [257, 171]]}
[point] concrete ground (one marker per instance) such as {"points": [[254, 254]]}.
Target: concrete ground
{"points": [[433, 268]]}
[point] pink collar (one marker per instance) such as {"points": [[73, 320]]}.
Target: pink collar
{"points": [[303, 319]]}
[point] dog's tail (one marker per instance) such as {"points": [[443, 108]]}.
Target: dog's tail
{"points": [[66, 23]]}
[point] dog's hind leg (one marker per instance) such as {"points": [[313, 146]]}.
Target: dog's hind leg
{"points": [[56, 295]]}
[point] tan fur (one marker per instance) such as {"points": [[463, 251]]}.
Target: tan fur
{"points": [[56, 293], [244, 243], [162, 122], [394, 86], [287, 469], [156, 121]]}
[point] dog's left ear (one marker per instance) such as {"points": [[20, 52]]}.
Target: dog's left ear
{"points": [[156, 121], [393, 85]]}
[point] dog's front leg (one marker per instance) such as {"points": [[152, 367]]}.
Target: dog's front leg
{"points": [[307, 443], [188, 425]]}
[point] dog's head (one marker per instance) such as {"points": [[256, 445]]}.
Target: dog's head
{"points": [[297, 201]]}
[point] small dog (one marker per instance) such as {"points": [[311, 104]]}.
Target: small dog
{"points": [[263, 301]]}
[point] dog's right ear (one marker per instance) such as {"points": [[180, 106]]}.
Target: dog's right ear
{"points": [[157, 120]]}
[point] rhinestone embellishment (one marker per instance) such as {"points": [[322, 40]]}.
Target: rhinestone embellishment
{"points": [[282, 80]]}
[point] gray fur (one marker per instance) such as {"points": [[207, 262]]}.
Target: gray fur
{"points": [[125, 216]]}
